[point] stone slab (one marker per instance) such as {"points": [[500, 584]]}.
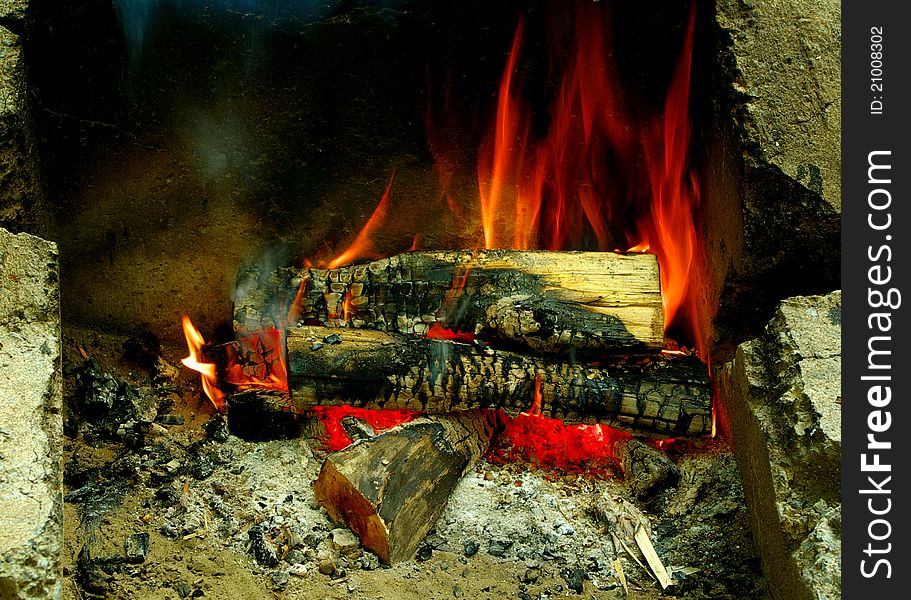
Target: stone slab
{"points": [[782, 400], [30, 418]]}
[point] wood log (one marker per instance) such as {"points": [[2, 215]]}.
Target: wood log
{"points": [[544, 301], [392, 488], [659, 395]]}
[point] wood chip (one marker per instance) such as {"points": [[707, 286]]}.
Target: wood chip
{"points": [[618, 568], [651, 557]]}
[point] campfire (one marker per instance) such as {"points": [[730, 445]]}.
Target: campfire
{"points": [[419, 298], [459, 341]]}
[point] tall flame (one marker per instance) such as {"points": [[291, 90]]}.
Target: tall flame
{"points": [[207, 371], [581, 185], [362, 246], [501, 155]]}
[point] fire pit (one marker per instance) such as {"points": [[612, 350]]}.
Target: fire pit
{"points": [[409, 298]]}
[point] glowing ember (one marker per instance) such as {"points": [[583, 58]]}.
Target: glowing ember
{"points": [[438, 332], [379, 420], [553, 444], [195, 343], [257, 361]]}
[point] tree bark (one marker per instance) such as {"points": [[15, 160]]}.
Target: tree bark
{"points": [[659, 395], [392, 488], [553, 302]]}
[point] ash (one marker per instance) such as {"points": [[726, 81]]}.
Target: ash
{"points": [[164, 501]]}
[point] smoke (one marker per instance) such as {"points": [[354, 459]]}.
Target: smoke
{"points": [[137, 16]]}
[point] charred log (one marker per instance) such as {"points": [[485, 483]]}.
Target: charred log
{"points": [[545, 301], [392, 488], [659, 395]]}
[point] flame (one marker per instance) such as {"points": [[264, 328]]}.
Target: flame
{"points": [[362, 246], [500, 155], [536, 399], [580, 180], [294, 311], [195, 343], [675, 196], [257, 361]]}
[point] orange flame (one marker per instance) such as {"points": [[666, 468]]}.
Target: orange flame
{"points": [[362, 246], [195, 343], [537, 398], [580, 181], [258, 361], [500, 157], [675, 195]]}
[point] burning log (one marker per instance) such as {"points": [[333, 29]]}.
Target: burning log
{"points": [[546, 301], [658, 395], [392, 488]]}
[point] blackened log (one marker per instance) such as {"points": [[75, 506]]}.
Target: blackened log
{"points": [[658, 395], [392, 488], [544, 301]]}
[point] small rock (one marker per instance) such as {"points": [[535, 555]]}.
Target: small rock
{"points": [[136, 547], [498, 547], [564, 528], [183, 589], [369, 561], [344, 540], [299, 570], [316, 346], [531, 575], [574, 579], [327, 567], [333, 339], [170, 419], [457, 591], [471, 548], [425, 552], [263, 550], [280, 580]]}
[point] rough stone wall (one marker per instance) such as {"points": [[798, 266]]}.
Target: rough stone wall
{"points": [[779, 101], [22, 205], [782, 397], [30, 419]]}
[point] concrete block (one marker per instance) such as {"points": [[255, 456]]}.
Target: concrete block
{"points": [[31, 516]]}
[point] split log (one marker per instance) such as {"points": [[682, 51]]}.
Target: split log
{"points": [[392, 488], [660, 395], [545, 301]]}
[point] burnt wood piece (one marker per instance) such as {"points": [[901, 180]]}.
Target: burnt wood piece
{"points": [[546, 301], [657, 395], [392, 488]]}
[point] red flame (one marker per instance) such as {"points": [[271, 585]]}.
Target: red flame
{"points": [[580, 175], [195, 343]]}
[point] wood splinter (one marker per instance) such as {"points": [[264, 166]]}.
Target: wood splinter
{"points": [[391, 489]]}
